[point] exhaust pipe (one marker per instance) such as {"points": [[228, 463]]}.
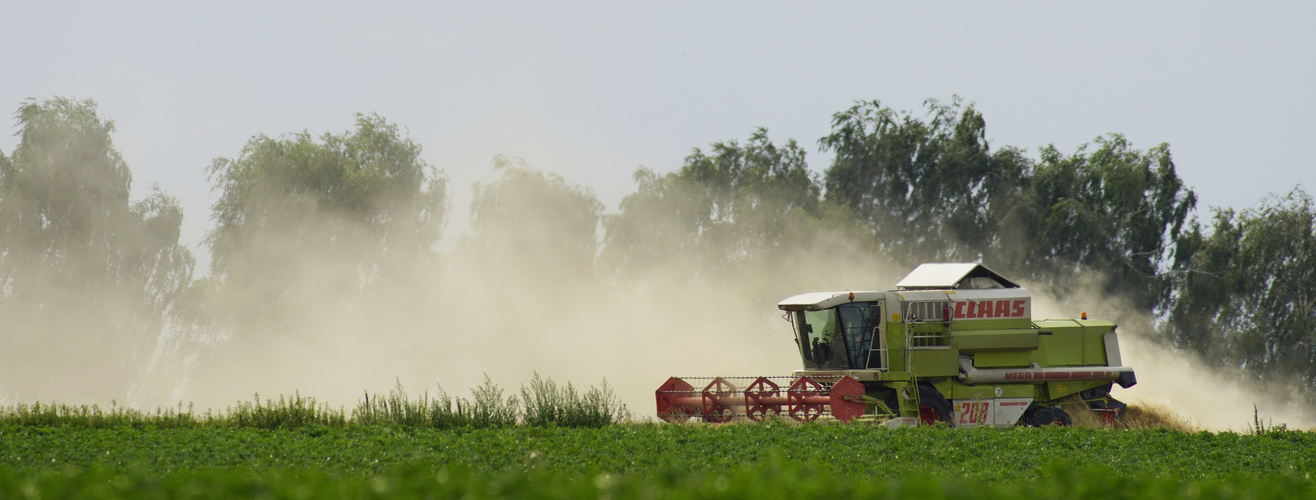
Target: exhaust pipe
{"points": [[1122, 375]]}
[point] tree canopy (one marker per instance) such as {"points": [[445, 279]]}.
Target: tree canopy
{"points": [[367, 190], [733, 206], [935, 191], [532, 229], [928, 191], [1115, 211], [1246, 290], [71, 240]]}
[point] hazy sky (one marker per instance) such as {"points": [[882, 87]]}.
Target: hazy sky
{"points": [[593, 90]]}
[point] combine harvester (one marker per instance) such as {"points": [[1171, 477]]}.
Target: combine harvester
{"points": [[954, 343]]}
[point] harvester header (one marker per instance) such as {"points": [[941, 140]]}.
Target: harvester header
{"points": [[952, 343]]}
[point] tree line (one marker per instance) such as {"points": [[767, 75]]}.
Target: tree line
{"points": [[341, 222]]}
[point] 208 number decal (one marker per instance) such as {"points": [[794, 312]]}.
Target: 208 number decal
{"points": [[972, 412]]}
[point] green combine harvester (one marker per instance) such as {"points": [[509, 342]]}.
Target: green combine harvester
{"points": [[953, 343]]}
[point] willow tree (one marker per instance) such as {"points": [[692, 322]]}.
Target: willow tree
{"points": [[307, 228], [1246, 291], [927, 190], [531, 230], [86, 275], [1112, 209], [933, 190], [735, 206]]}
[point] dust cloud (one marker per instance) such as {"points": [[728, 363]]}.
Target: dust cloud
{"points": [[327, 313], [522, 292], [1210, 398]]}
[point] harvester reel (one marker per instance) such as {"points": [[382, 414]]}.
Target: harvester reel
{"points": [[716, 397], [760, 399], [669, 409], [799, 397]]}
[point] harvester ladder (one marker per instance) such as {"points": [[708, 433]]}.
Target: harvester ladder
{"points": [[878, 348], [909, 367]]}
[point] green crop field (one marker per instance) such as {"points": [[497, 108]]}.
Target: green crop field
{"points": [[551, 441], [647, 461]]}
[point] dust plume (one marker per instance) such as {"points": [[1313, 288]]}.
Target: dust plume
{"points": [[1174, 381], [524, 292], [325, 279]]}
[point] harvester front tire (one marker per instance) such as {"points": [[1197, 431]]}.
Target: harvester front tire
{"points": [[932, 406], [1049, 415]]}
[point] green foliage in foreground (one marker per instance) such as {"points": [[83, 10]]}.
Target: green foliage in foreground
{"points": [[542, 403], [1013, 454], [650, 461], [775, 480]]}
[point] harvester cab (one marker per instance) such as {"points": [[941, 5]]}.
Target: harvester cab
{"points": [[952, 343], [839, 337]]}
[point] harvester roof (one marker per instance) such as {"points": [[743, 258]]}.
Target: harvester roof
{"points": [[954, 276], [817, 301], [969, 276]]}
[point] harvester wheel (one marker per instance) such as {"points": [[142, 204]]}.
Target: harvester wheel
{"points": [[1049, 415], [932, 406]]}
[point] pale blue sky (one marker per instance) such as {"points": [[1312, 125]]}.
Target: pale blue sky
{"points": [[593, 90]]}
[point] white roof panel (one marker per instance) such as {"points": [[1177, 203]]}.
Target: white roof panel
{"points": [[936, 275], [945, 276], [817, 301]]}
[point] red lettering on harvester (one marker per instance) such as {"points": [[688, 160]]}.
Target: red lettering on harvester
{"points": [[973, 413], [990, 309]]}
